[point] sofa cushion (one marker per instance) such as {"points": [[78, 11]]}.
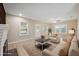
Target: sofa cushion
{"points": [[74, 52], [64, 50], [56, 50], [73, 47]]}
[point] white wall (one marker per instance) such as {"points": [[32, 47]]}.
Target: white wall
{"points": [[14, 22]]}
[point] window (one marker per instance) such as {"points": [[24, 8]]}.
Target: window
{"points": [[61, 28], [41, 29], [45, 29], [37, 30]]}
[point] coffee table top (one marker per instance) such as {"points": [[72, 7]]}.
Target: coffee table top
{"points": [[42, 40]]}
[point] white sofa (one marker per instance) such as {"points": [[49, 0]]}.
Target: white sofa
{"points": [[74, 50], [64, 48], [56, 51]]}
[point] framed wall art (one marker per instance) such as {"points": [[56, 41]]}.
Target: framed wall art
{"points": [[23, 28]]}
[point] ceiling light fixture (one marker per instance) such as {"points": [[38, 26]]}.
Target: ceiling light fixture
{"points": [[55, 21], [20, 14]]}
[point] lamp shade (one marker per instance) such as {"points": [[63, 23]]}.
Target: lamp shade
{"points": [[71, 32]]}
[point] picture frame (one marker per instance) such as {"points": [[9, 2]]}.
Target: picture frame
{"points": [[23, 30]]}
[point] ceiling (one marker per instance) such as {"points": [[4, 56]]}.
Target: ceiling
{"points": [[46, 12]]}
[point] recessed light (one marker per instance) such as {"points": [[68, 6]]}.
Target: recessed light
{"points": [[20, 14], [56, 21]]}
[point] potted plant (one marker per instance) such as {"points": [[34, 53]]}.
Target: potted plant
{"points": [[49, 31]]}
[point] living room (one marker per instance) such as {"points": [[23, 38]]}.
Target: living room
{"points": [[42, 29]]}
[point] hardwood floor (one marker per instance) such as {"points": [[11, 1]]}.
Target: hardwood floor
{"points": [[12, 52]]}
